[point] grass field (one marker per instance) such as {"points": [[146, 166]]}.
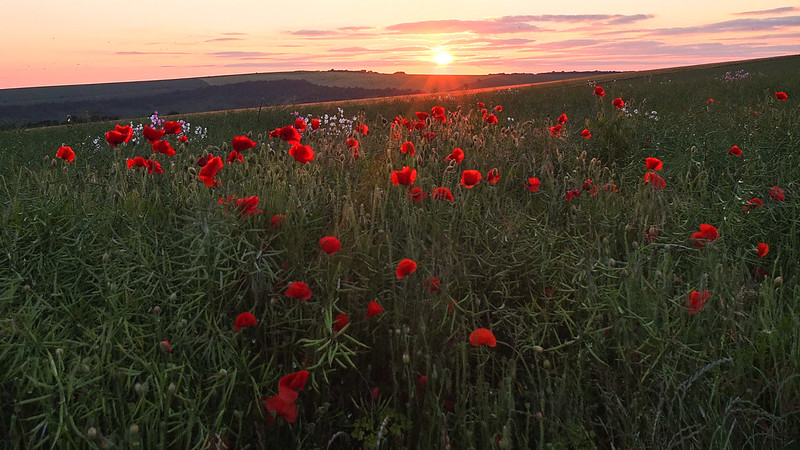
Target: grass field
{"points": [[122, 292]]}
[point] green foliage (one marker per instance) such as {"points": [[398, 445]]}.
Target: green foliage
{"points": [[587, 298]]}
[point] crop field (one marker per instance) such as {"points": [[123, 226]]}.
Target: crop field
{"points": [[604, 263]]}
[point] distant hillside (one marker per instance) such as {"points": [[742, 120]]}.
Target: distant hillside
{"points": [[29, 107]]}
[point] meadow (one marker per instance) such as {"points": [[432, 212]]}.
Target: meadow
{"points": [[633, 288]]}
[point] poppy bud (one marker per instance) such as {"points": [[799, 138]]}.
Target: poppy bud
{"points": [[59, 352], [134, 429], [46, 159], [156, 309], [659, 274], [172, 388], [139, 388], [406, 358], [54, 162], [26, 288], [538, 349], [778, 281], [192, 171], [546, 364], [173, 297], [91, 433], [612, 262], [106, 257], [223, 373], [225, 147]]}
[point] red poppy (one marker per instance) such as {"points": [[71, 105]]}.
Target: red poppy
{"points": [[470, 178], [314, 124], [421, 115], [707, 233], [163, 147], [248, 206], [482, 336], [456, 155], [610, 187], [421, 380], [151, 134], [242, 143], [152, 166], [763, 249], [420, 125], [751, 204], [498, 108], [777, 194], [352, 143], [654, 164], [66, 153], [442, 193], [618, 102], [183, 139], [289, 134], [735, 151], [437, 111], [201, 161], [589, 186], [780, 95], [299, 124], [600, 92], [490, 119], [572, 193], [245, 319], [533, 184], [283, 408], [405, 177], [696, 301], [408, 147], [362, 128], [298, 290], [209, 171], [555, 131], [481, 105], [340, 322], [172, 127], [293, 382], [330, 244], [302, 153], [373, 309], [277, 221], [234, 156], [429, 136], [431, 284], [710, 101], [114, 138], [283, 404], [405, 267], [586, 134], [562, 119], [165, 346], [656, 182], [416, 194], [493, 176]]}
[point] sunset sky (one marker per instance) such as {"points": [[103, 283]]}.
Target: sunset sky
{"points": [[90, 41]]}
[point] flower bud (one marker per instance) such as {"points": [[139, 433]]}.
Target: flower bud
{"points": [[406, 358], [91, 433]]}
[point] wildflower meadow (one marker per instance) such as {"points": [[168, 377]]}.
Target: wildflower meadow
{"points": [[595, 263]]}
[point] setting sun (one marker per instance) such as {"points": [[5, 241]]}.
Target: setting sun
{"points": [[441, 57]]}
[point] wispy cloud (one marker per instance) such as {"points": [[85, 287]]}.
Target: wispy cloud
{"points": [[768, 11], [225, 39], [450, 26], [757, 25]]}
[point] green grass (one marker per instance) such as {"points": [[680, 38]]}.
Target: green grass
{"points": [[596, 348]]}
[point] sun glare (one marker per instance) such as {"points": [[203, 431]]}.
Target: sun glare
{"points": [[441, 57]]}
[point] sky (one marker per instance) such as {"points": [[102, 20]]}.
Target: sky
{"points": [[47, 43]]}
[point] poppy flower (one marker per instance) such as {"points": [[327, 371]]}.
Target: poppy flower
{"points": [[248, 206], [66, 153], [408, 147], [490, 119], [618, 102], [696, 301], [781, 96], [152, 166], [482, 336], [456, 155], [431, 284], [429, 136], [404, 268], [611, 187], [421, 115], [416, 194], [242, 143], [599, 91], [498, 108], [201, 161], [245, 319], [562, 119], [340, 322], [314, 124], [114, 138], [362, 128], [586, 134], [172, 127], [735, 151], [282, 407], [707, 233], [572, 193], [330, 244], [234, 156], [209, 171], [751, 204], [165, 346], [283, 404], [277, 221], [442, 193], [405, 177], [151, 134], [533, 184], [470, 178], [653, 164], [777, 194], [656, 182], [437, 111], [763, 249], [420, 125], [493, 176], [163, 147], [289, 134], [298, 290], [300, 124], [294, 381], [555, 130], [710, 101], [589, 186], [373, 309], [302, 153], [481, 105], [183, 139], [352, 143]]}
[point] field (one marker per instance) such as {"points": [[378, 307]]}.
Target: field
{"points": [[609, 291]]}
